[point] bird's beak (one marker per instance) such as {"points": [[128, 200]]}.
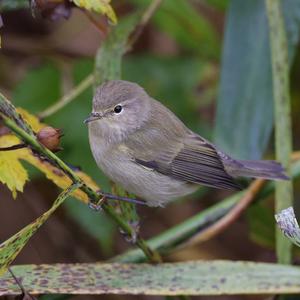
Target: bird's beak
{"points": [[93, 117]]}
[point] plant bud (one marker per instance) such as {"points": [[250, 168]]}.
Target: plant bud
{"points": [[50, 138]]}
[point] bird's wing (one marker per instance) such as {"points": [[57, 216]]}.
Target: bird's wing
{"points": [[192, 160]]}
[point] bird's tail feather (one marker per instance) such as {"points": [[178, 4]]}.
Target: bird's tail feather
{"points": [[267, 169]]}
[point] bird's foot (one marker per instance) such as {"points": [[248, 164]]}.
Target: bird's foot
{"points": [[97, 206], [135, 229]]}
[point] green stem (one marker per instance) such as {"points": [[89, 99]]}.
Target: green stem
{"points": [[283, 138]]}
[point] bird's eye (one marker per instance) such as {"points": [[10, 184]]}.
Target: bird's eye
{"points": [[118, 109]]}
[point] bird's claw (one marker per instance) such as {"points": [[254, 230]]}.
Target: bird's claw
{"points": [[97, 206], [131, 238], [94, 206]]}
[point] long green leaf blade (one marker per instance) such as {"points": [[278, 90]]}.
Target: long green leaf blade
{"points": [[11, 247], [186, 278], [244, 118]]}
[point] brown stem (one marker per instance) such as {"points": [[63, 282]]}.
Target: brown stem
{"points": [[230, 217], [14, 147]]}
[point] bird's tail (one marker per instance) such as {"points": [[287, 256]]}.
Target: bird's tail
{"points": [[267, 169]]}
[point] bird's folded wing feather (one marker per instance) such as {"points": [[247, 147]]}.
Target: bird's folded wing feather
{"points": [[191, 159]]}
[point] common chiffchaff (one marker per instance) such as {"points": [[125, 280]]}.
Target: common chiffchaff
{"points": [[142, 146]]}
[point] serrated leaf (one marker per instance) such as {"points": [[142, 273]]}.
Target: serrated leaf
{"points": [[99, 6], [11, 247], [185, 278]]}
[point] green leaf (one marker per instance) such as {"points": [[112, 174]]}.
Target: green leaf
{"points": [[185, 278], [245, 108], [261, 225], [11, 247], [181, 20]]}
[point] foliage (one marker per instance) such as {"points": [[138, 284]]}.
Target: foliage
{"points": [[176, 59], [189, 278], [246, 88]]}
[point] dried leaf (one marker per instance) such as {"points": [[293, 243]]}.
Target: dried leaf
{"points": [[11, 247], [288, 224], [99, 6]]}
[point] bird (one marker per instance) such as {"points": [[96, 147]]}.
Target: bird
{"points": [[144, 147]]}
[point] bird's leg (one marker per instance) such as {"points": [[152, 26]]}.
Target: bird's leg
{"points": [[105, 196]]}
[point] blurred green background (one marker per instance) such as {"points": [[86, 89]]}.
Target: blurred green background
{"points": [[208, 61]]}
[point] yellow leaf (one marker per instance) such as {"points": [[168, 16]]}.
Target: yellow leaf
{"points": [[32, 120], [99, 6], [58, 177], [13, 174]]}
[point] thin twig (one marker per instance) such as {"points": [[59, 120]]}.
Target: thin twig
{"points": [[230, 217], [120, 198], [67, 98], [144, 20]]}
